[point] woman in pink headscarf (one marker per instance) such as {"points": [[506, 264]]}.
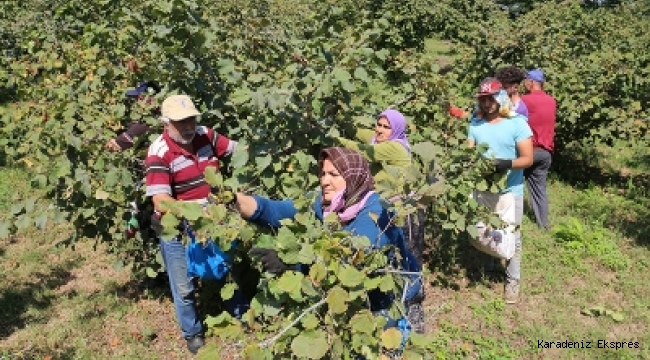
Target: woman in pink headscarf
{"points": [[347, 190], [389, 145]]}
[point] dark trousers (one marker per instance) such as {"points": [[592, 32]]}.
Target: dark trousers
{"points": [[413, 229], [536, 176], [414, 232]]}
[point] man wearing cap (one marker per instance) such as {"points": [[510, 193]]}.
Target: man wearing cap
{"points": [[142, 94], [510, 145], [175, 165], [542, 109]]}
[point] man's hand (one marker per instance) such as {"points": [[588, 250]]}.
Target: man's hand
{"points": [[113, 145], [270, 260], [502, 165], [156, 225]]}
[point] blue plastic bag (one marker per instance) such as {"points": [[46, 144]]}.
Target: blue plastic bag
{"points": [[206, 260]]}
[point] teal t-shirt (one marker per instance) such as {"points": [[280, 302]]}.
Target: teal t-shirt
{"points": [[502, 139]]}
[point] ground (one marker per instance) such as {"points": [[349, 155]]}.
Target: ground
{"points": [[585, 280]]}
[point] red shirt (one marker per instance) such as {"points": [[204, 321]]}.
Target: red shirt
{"points": [[174, 171], [542, 109]]}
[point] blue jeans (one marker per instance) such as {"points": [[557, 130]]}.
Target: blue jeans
{"points": [[182, 287]]}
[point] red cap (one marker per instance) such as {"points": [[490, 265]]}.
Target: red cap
{"points": [[489, 86]]}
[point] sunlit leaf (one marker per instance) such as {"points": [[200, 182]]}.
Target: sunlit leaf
{"points": [[213, 177], [228, 290], [310, 321], [191, 210], [391, 338], [291, 283], [310, 344], [317, 272], [350, 276], [363, 322], [101, 194], [336, 300]]}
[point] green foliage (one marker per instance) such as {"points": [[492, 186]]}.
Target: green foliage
{"points": [[595, 68], [284, 78], [602, 311], [579, 242], [283, 92]]}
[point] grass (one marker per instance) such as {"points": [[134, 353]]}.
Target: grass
{"points": [[56, 303], [585, 280], [440, 50]]}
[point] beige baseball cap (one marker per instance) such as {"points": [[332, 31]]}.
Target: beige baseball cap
{"points": [[178, 107]]}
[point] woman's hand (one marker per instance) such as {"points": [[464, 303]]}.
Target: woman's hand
{"points": [[113, 145], [245, 205], [270, 260]]}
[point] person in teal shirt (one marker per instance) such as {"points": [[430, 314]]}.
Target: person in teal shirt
{"points": [[510, 145]]}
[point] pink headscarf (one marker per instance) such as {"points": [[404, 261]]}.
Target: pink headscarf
{"points": [[355, 169]]}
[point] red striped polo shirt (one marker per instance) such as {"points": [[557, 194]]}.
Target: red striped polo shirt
{"points": [[174, 171]]}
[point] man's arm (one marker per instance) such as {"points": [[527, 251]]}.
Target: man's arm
{"points": [[457, 112], [158, 180], [126, 139], [158, 199], [524, 139], [222, 145], [525, 150]]}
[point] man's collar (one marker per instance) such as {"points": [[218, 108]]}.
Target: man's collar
{"points": [[174, 146]]}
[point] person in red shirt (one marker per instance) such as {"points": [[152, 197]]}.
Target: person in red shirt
{"points": [[175, 164], [542, 109]]}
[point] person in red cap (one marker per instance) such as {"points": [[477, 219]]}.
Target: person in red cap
{"points": [[542, 109], [509, 141]]}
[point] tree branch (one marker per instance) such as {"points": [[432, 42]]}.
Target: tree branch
{"points": [[388, 271], [275, 338], [403, 101], [438, 310]]}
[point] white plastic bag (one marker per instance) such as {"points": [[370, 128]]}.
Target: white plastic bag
{"points": [[499, 243]]}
